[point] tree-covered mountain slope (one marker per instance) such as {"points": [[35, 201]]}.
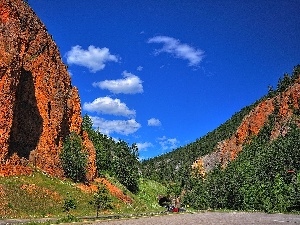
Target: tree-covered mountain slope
{"points": [[174, 165], [250, 162]]}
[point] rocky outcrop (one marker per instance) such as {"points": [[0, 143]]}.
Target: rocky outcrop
{"points": [[38, 105], [285, 103]]}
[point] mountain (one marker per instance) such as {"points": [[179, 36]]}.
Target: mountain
{"points": [[284, 106], [39, 107], [175, 166], [250, 162]]}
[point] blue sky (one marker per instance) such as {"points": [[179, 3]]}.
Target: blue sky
{"points": [[164, 73]]}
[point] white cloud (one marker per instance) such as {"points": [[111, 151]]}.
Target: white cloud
{"points": [[93, 58], [179, 50], [139, 68], [154, 122], [124, 127], [131, 84], [144, 146], [167, 143], [107, 105]]}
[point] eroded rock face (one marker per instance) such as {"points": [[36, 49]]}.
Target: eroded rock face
{"points": [[38, 105]]}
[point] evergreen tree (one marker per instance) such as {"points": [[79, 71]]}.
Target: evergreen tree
{"points": [[101, 199], [126, 165], [74, 158], [115, 158]]}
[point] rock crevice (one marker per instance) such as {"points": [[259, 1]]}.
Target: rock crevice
{"points": [[27, 123]]}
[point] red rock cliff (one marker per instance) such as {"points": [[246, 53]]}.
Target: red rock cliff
{"points": [[38, 104]]}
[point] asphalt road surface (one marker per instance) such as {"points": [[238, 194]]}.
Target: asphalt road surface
{"points": [[209, 218]]}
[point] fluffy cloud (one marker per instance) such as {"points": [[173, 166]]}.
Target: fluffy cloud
{"points": [[131, 84], [144, 146], [168, 143], [154, 122], [124, 127], [178, 49], [93, 58], [107, 105]]}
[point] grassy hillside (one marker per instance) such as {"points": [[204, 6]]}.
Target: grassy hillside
{"points": [[39, 195]]}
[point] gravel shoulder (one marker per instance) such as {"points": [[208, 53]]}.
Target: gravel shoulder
{"points": [[209, 218]]}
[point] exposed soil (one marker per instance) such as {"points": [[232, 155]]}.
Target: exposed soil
{"points": [[115, 191]]}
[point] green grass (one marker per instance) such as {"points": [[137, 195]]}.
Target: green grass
{"points": [[144, 201], [39, 195], [42, 196], [149, 191]]}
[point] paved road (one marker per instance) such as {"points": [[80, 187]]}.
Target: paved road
{"points": [[210, 218], [204, 218]]}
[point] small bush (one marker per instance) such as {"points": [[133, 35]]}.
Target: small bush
{"points": [[101, 199], [68, 219]]}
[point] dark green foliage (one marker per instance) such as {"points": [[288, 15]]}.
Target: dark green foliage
{"points": [[115, 158], [284, 83], [173, 189], [271, 92], [101, 199], [69, 203], [104, 149], [264, 177], [87, 124], [192, 196], [67, 219], [74, 158], [288, 80], [125, 165], [103, 145], [296, 73]]}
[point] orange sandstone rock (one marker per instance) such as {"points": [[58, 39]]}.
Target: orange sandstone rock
{"points": [[38, 105]]}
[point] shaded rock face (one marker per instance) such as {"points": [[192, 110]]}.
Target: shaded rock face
{"points": [[27, 124], [229, 149], [38, 105]]}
